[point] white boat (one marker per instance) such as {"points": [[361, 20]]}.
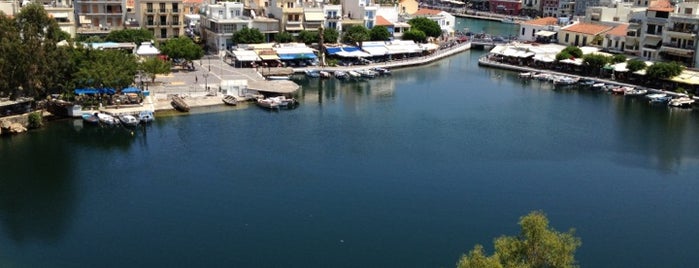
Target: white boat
{"points": [[278, 77], [367, 73], [658, 98], [565, 80], [146, 117], [681, 102], [382, 71], [635, 92], [278, 102], [341, 75], [128, 120], [107, 119], [312, 73], [526, 75], [598, 86], [354, 74], [508, 20], [324, 74]]}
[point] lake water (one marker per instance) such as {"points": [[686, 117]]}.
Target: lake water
{"points": [[406, 171]]}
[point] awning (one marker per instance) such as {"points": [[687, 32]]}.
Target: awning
{"points": [[294, 28], [687, 77], [577, 62], [545, 33], [245, 55], [313, 16], [298, 56], [544, 57], [82, 91], [376, 51], [131, 90], [269, 57], [620, 67]]}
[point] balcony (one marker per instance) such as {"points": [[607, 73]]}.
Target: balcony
{"points": [[175, 23], [150, 11], [336, 17], [674, 49], [682, 32], [176, 10], [162, 10]]}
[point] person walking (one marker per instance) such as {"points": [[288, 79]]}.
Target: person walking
{"points": [[196, 79]]}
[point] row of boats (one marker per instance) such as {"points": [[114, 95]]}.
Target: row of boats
{"points": [[346, 75], [655, 98], [100, 118]]}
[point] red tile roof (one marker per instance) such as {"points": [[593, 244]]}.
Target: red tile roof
{"points": [[587, 28], [543, 21], [661, 5], [427, 11], [381, 21], [619, 30]]}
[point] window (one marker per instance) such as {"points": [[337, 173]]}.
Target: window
{"points": [[149, 7], [175, 7], [523, 30], [163, 33], [688, 11], [162, 7], [566, 39], [163, 20]]}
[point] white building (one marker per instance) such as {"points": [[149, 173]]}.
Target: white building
{"points": [[219, 23], [445, 20], [539, 30]]}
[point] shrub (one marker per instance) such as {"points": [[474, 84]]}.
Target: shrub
{"points": [[35, 120]]}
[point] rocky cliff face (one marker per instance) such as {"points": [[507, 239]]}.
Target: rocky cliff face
{"points": [[14, 124]]}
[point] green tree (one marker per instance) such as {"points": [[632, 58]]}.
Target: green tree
{"points": [[618, 58], [331, 35], [10, 62], [573, 51], [106, 68], [284, 37], [248, 36], [40, 60], [356, 34], [663, 70], [594, 62], [415, 35], [154, 66], [429, 27], [537, 245], [182, 48], [136, 36], [307, 37], [380, 33], [563, 55], [635, 65]]}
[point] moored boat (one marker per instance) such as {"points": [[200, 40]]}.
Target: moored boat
{"points": [[681, 102], [633, 92], [324, 74], [367, 73], [354, 74], [179, 104], [146, 116], [278, 77], [312, 73], [382, 71], [91, 119], [275, 103], [230, 100], [107, 119], [342, 75], [658, 98], [128, 120]]}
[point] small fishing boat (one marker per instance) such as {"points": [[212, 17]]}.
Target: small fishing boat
{"points": [[230, 100], [618, 90], [681, 102], [354, 74], [633, 92], [146, 117], [107, 119], [382, 71], [91, 119], [598, 86], [324, 74], [526, 75], [366, 73], [278, 77], [658, 98], [311, 73], [277, 102], [128, 120], [179, 104], [342, 75]]}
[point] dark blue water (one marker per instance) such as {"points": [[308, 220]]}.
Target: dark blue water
{"points": [[408, 171]]}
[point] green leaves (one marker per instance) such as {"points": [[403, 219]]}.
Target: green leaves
{"points": [[330, 35], [106, 68], [248, 36], [415, 35], [137, 36], [635, 65], [356, 35], [182, 48], [154, 66], [284, 37], [427, 26], [537, 245], [307, 37], [664, 70], [380, 33]]}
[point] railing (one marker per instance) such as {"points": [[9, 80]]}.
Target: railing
{"points": [[176, 10], [150, 11], [683, 30], [162, 10], [175, 23], [672, 45]]}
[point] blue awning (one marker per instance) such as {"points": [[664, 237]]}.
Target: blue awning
{"points": [[298, 56], [81, 91], [336, 50], [131, 90]]}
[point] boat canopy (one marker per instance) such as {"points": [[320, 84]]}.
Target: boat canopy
{"points": [[87, 91]]}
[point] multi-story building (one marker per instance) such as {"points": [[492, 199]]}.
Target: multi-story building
{"points": [[582, 5], [680, 37], [506, 7], [289, 13], [333, 17], [653, 27], [549, 8], [99, 17], [566, 8], [313, 18], [62, 11], [219, 22], [267, 26], [618, 12], [361, 10], [165, 18], [532, 8]]}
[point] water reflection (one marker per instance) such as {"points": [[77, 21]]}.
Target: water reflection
{"points": [[104, 137], [37, 192], [656, 136], [352, 92]]}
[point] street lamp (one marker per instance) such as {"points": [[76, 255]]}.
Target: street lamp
{"points": [[206, 81], [209, 56]]}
